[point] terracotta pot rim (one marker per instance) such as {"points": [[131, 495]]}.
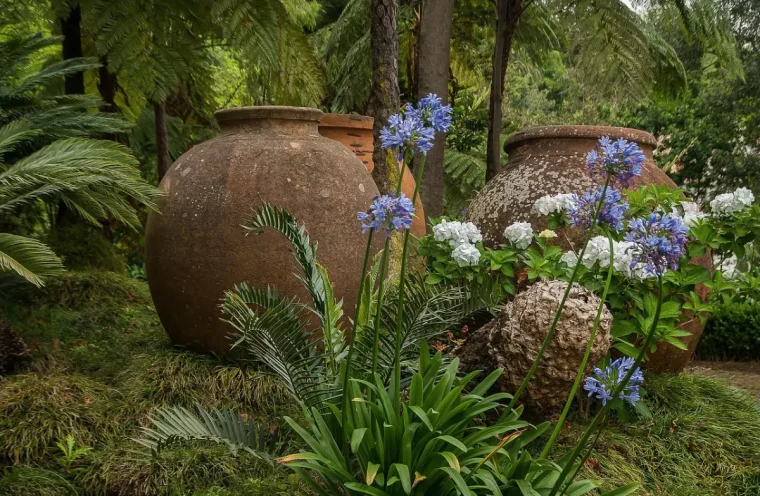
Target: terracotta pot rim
{"points": [[355, 121], [268, 112], [579, 132]]}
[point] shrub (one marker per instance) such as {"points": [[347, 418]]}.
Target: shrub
{"points": [[733, 332]]}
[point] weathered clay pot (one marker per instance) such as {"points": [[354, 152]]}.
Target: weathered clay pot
{"points": [[552, 159], [196, 248], [355, 132]]}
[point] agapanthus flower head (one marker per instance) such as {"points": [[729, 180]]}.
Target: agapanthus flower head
{"points": [[659, 242], [435, 115], [406, 131], [605, 380], [582, 209], [620, 161], [388, 212]]}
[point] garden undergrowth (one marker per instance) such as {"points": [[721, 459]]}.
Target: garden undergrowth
{"points": [[100, 363]]}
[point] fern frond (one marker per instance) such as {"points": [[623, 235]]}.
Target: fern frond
{"points": [[28, 258], [178, 426]]}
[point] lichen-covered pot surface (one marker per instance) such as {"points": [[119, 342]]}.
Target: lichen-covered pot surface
{"points": [[196, 248], [355, 132], [549, 160]]}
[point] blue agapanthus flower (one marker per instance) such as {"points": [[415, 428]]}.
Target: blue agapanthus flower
{"points": [[388, 212], [605, 380], [432, 111], [581, 210], [621, 161], [414, 128], [659, 242]]}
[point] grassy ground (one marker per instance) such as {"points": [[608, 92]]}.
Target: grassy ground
{"points": [[100, 363]]}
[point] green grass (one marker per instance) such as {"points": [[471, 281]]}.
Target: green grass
{"points": [[703, 439], [100, 364]]}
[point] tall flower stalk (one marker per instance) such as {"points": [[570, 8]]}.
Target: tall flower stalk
{"points": [[617, 163]]}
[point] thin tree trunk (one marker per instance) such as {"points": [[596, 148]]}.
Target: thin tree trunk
{"points": [[162, 139], [72, 48], [384, 99], [433, 77], [509, 12]]}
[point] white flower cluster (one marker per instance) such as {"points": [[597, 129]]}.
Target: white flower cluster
{"points": [[457, 233], [728, 203], [598, 252], [553, 203], [462, 236], [729, 267], [519, 234], [691, 213]]}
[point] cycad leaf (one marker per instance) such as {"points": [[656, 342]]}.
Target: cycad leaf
{"points": [[28, 258]]}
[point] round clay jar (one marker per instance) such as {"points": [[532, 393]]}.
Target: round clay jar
{"points": [[196, 247]]}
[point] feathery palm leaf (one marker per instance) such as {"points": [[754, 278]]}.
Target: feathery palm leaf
{"points": [[28, 258], [178, 426]]}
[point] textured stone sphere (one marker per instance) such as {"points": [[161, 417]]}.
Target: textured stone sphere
{"points": [[196, 247], [517, 335]]}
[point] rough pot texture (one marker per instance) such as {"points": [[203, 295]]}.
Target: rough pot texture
{"points": [[355, 132], [512, 342], [196, 248], [549, 160]]}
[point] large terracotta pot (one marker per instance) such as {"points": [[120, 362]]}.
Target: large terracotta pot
{"points": [[196, 248], [551, 160], [355, 132]]}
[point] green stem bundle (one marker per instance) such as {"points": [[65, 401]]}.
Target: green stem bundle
{"points": [[615, 393], [579, 376]]}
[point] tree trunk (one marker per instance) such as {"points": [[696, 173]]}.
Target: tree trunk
{"points": [[162, 139], [509, 12], [384, 97], [72, 48], [433, 77], [107, 86]]}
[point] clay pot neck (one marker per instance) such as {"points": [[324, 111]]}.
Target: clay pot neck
{"points": [[296, 121]]}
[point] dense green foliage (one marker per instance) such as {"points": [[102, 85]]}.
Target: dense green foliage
{"points": [[733, 332]]}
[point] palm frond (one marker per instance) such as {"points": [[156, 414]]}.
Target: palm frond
{"points": [[14, 133], [96, 177], [28, 258], [273, 331], [178, 426], [280, 219]]}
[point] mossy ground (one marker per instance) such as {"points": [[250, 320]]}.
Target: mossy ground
{"points": [[100, 363]]}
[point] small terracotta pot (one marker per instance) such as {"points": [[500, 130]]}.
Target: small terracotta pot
{"points": [[355, 132], [550, 160], [196, 247]]}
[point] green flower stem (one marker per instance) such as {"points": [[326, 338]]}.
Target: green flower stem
{"points": [[590, 448], [573, 277], [401, 294], [351, 337], [579, 376], [615, 393], [381, 285]]}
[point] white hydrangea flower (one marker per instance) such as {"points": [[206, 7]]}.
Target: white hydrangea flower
{"points": [[457, 233], [547, 234], [691, 213], [520, 234], [466, 255], [744, 196], [728, 203], [550, 204], [622, 256], [570, 259], [729, 267], [597, 250]]}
